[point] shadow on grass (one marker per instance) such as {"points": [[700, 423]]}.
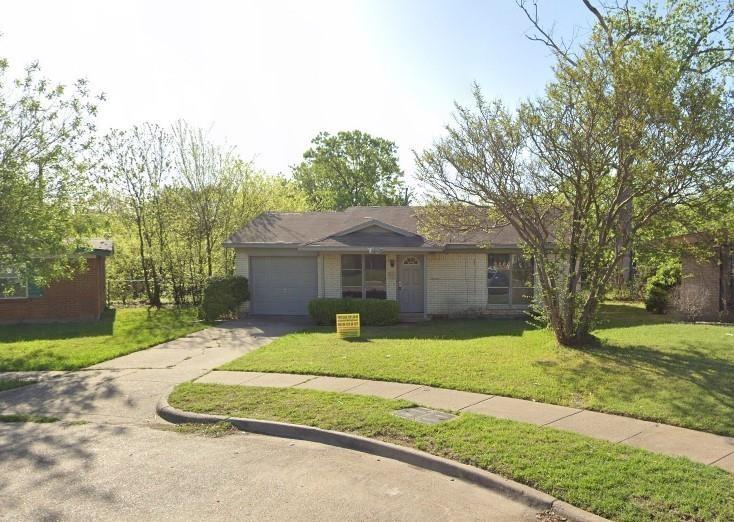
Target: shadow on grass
{"points": [[688, 382], [55, 331]]}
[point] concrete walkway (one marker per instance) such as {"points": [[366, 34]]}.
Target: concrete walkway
{"points": [[699, 446], [120, 462]]}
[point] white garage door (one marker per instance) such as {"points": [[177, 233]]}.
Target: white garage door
{"points": [[282, 285]]}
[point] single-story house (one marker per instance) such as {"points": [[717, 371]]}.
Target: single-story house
{"points": [[80, 298], [291, 258], [707, 282]]}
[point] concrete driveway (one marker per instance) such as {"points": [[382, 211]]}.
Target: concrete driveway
{"points": [[124, 463]]}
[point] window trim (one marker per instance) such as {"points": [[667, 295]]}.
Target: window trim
{"points": [[363, 274], [510, 286]]}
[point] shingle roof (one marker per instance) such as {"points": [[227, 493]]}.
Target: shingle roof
{"points": [[313, 230]]}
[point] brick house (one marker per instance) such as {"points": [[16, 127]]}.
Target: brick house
{"points": [[291, 258], [708, 281], [81, 298]]}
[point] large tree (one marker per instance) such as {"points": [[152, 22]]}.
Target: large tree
{"points": [[651, 55], [349, 169], [565, 169], [46, 133]]}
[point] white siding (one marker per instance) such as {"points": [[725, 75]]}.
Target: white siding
{"points": [[392, 277], [456, 283], [242, 268]]}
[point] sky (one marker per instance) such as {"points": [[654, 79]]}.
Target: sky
{"points": [[266, 77]]}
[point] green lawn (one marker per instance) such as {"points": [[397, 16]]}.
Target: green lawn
{"points": [[70, 346], [643, 365], [612, 480]]}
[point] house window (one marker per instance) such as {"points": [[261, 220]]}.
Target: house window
{"points": [[411, 260], [509, 280], [364, 276], [12, 287]]}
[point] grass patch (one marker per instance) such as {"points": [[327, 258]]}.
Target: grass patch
{"points": [[9, 384], [643, 365], [612, 480], [27, 417], [214, 431], [70, 346]]}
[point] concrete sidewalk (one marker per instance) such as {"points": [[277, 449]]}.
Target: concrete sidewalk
{"points": [[699, 446]]}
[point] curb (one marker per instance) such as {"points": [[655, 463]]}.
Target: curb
{"points": [[524, 494]]}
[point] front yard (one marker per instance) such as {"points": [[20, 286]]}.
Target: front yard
{"points": [[643, 365], [70, 346], [612, 480]]}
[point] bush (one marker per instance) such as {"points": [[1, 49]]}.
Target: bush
{"points": [[376, 312], [659, 285], [223, 296]]}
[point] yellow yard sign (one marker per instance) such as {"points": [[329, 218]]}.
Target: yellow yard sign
{"points": [[347, 325]]}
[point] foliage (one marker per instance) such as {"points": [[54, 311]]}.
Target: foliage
{"points": [[376, 312], [351, 168], [613, 480], [223, 296], [172, 198], [658, 287], [71, 346], [46, 134], [643, 365], [636, 123]]}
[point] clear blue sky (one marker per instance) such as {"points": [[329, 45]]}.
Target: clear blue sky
{"points": [[267, 76]]}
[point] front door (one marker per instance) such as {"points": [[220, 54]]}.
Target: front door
{"points": [[410, 284]]}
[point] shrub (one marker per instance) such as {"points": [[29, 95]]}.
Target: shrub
{"points": [[657, 289], [377, 312], [223, 296]]}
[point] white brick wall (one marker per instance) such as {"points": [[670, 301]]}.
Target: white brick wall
{"points": [[332, 278], [392, 277], [242, 268], [456, 283]]}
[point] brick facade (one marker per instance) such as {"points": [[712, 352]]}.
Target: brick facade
{"points": [[709, 281], [78, 299]]}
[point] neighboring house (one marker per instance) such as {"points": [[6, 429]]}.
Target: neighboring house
{"points": [[77, 299], [707, 285], [378, 252]]}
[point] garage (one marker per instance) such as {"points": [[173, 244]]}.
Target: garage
{"points": [[282, 285]]}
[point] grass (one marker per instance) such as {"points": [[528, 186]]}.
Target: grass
{"points": [[612, 480], [27, 417], [642, 365], [70, 346], [9, 384], [213, 431]]}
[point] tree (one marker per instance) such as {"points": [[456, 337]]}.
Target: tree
{"points": [[689, 42], [549, 170], [46, 133], [350, 169]]}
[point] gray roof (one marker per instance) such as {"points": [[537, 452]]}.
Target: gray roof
{"points": [[102, 246], [357, 228]]}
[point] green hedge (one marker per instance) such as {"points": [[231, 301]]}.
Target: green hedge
{"points": [[659, 285], [377, 312], [223, 296]]}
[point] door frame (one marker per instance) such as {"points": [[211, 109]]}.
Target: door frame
{"points": [[422, 259]]}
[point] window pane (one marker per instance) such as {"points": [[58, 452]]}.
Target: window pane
{"points": [[352, 261], [498, 277], [352, 291], [11, 287], [522, 271], [374, 266], [352, 278], [499, 261], [498, 296], [522, 296]]}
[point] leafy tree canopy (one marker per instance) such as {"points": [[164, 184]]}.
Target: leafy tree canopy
{"points": [[351, 168]]}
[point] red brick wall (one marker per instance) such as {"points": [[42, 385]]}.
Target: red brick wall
{"points": [[81, 298]]}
